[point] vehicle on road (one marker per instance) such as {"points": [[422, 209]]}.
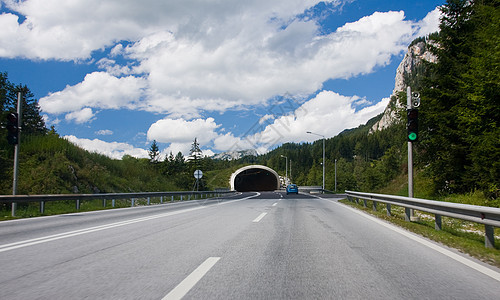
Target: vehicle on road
{"points": [[292, 189]]}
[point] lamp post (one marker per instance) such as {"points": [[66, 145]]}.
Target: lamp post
{"points": [[335, 175], [323, 157], [286, 170]]}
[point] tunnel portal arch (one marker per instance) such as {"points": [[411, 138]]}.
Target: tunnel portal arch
{"points": [[255, 178]]}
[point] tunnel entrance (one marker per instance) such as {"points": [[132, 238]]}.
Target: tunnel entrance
{"points": [[255, 178]]}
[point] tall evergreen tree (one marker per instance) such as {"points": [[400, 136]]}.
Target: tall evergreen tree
{"points": [[195, 155], [154, 153], [460, 106]]}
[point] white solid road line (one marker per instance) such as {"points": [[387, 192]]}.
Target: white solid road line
{"points": [[189, 282], [49, 238], [478, 267], [63, 235], [262, 215]]}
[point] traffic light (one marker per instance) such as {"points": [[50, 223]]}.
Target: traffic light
{"points": [[415, 99], [412, 124], [13, 128]]}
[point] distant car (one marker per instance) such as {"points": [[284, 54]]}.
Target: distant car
{"points": [[292, 188]]}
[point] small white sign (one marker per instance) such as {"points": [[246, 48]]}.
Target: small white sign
{"points": [[198, 174]]}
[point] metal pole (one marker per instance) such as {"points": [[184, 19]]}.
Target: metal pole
{"points": [[290, 170], [335, 175], [323, 157], [286, 169], [16, 151], [323, 164], [410, 158]]}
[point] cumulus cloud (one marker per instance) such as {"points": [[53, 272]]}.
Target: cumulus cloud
{"points": [[98, 90], [192, 56], [70, 30], [430, 23], [326, 114], [114, 149], [81, 116], [182, 58], [181, 133]]}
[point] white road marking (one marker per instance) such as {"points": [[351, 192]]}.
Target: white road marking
{"points": [[246, 198], [262, 215], [276, 203], [478, 267], [63, 235], [189, 282]]}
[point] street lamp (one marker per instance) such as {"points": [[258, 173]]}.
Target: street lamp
{"points": [[286, 170], [323, 156], [335, 175]]}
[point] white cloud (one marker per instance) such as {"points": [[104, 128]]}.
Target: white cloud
{"points": [[114, 150], [189, 75], [81, 116], [70, 30], [327, 114], [180, 133], [104, 132], [193, 55], [430, 23], [98, 90], [181, 58]]}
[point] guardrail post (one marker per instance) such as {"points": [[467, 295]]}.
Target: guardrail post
{"points": [[103, 202], [113, 202], [149, 200], [172, 199], [388, 209], [489, 236], [364, 203], [407, 214], [78, 204], [438, 224], [374, 205], [181, 197], [42, 207], [161, 199], [133, 201]]}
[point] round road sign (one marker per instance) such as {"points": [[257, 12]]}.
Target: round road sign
{"points": [[198, 174]]}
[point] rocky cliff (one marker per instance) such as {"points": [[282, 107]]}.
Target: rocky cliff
{"points": [[412, 61]]}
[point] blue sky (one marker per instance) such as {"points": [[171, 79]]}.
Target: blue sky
{"points": [[114, 75]]}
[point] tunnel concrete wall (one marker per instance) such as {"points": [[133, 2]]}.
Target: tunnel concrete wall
{"points": [[255, 178]]}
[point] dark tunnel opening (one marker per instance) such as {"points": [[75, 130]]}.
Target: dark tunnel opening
{"points": [[255, 180]]}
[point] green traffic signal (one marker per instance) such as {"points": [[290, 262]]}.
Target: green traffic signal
{"points": [[412, 124]]}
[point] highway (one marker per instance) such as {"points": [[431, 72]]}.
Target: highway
{"points": [[266, 245]]}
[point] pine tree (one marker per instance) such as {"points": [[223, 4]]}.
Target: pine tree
{"points": [[460, 107], [154, 153], [195, 155]]}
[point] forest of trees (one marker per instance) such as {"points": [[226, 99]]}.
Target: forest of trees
{"points": [[458, 148]]}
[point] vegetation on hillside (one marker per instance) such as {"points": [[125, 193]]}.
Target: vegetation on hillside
{"points": [[460, 110]]}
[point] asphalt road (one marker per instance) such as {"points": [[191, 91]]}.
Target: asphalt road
{"points": [[255, 246]]}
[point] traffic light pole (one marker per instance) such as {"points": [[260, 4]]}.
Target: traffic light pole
{"points": [[410, 213], [16, 151]]}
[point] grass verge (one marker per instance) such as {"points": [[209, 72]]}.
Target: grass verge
{"points": [[464, 236]]}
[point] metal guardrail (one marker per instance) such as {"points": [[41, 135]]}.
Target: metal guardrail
{"points": [[309, 189], [489, 216], [14, 199]]}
